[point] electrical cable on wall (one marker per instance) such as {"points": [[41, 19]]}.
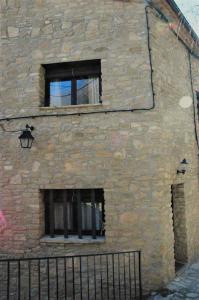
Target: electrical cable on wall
{"points": [[193, 100], [190, 52], [108, 110], [162, 16], [11, 131]]}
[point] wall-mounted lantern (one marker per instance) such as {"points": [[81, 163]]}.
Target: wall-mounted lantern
{"points": [[183, 167], [26, 138]]}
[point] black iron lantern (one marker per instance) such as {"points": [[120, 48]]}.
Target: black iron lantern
{"points": [[26, 138], [183, 166]]}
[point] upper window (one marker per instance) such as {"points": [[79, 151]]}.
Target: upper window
{"points": [[73, 83], [74, 212]]}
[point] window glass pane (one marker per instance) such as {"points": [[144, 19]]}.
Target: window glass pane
{"points": [[59, 223], [99, 220], [58, 209], [86, 216], [88, 91], [60, 93]]}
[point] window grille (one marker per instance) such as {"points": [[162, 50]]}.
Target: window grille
{"points": [[74, 212]]}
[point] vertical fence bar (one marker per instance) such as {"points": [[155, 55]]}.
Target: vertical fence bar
{"points": [[39, 280], [73, 271], [113, 270], [140, 275], [88, 279], [8, 280], [119, 275], [48, 278], [95, 277], [130, 274], [57, 278], [19, 280], [107, 273], [135, 277], [80, 271], [29, 278], [124, 277], [65, 277], [101, 280]]}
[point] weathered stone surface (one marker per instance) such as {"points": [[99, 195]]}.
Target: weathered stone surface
{"points": [[15, 179], [13, 31], [133, 156]]}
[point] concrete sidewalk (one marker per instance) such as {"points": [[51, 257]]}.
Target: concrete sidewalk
{"points": [[185, 286]]}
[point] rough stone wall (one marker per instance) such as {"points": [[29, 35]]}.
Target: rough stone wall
{"points": [[132, 156], [192, 207], [173, 89]]}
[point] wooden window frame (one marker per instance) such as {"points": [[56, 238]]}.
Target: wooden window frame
{"points": [[72, 71]]}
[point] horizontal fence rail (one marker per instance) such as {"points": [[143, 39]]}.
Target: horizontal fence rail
{"points": [[105, 276]]}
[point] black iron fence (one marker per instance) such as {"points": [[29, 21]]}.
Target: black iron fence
{"points": [[104, 276]]}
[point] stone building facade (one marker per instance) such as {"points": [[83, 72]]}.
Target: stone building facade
{"points": [[129, 144]]}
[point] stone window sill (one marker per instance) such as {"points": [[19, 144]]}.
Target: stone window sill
{"points": [[72, 240], [51, 108]]}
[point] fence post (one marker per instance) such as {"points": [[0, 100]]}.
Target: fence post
{"points": [[140, 275]]}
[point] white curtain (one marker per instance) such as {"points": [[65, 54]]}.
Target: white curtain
{"points": [[88, 91], [59, 224], [87, 216], [93, 90], [59, 215]]}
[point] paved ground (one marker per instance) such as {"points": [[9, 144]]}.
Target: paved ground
{"points": [[185, 286]]}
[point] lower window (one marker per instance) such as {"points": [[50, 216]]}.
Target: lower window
{"points": [[74, 212]]}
